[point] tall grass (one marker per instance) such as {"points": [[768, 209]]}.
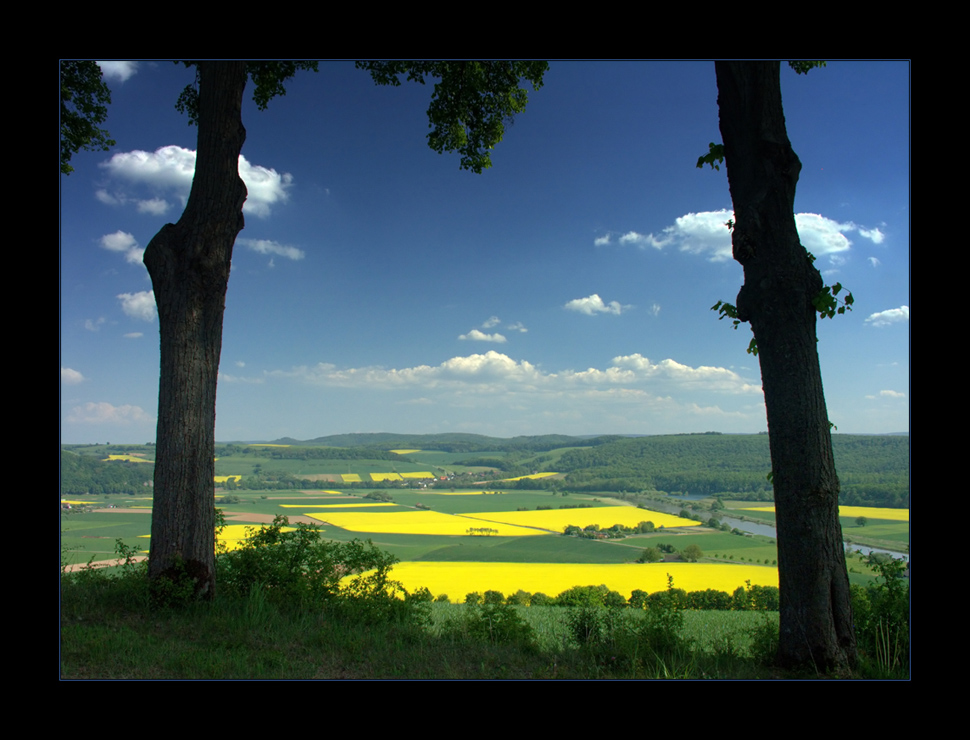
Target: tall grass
{"points": [[264, 625]]}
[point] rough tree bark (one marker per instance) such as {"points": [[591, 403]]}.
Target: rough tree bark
{"points": [[780, 282], [189, 265]]}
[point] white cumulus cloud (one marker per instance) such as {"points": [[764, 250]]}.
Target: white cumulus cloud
{"points": [[697, 233], [223, 378], [104, 412], [153, 206], [889, 316], [497, 372], [139, 305], [171, 168], [706, 234], [124, 243], [593, 304], [479, 336], [118, 71], [267, 246], [875, 235], [70, 376]]}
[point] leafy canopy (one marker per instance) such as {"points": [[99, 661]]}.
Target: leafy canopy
{"points": [[84, 107], [268, 81], [471, 103]]}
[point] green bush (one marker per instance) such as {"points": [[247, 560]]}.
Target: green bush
{"points": [[583, 596], [297, 567], [93, 589], [881, 615], [764, 641], [755, 598], [638, 598], [519, 598], [494, 623], [710, 599], [661, 630], [586, 624]]}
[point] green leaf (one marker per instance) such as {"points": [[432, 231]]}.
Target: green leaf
{"points": [[268, 78], [84, 107], [804, 67], [471, 104], [714, 157], [827, 304], [725, 309]]}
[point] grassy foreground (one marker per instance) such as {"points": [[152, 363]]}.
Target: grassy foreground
{"points": [[110, 631], [293, 606]]}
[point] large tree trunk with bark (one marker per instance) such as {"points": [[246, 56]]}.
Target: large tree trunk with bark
{"points": [[189, 266], [780, 282]]}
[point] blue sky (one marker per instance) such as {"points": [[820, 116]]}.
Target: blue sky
{"points": [[378, 287]]}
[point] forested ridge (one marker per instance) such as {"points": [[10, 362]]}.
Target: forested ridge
{"points": [[454, 442], [86, 474], [310, 453], [873, 470]]}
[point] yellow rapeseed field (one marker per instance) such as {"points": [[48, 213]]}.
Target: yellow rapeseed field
{"points": [[404, 452], [415, 522], [233, 534], [870, 512], [333, 506], [350, 478], [605, 516], [417, 475], [458, 579], [439, 492], [384, 476], [224, 478], [127, 458], [534, 475]]}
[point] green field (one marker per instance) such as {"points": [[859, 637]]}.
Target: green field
{"points": [[89, 532]]}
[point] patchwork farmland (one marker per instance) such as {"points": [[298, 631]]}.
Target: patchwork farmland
{"points": [[458, 525]]}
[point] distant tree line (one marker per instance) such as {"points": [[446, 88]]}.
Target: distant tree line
{"points": [[752, 598], [874, 470], [309, 453], [82, 474], [456, 442]]}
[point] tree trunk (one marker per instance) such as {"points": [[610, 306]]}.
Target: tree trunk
{"points": [[189, 266], [780, 282]]}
